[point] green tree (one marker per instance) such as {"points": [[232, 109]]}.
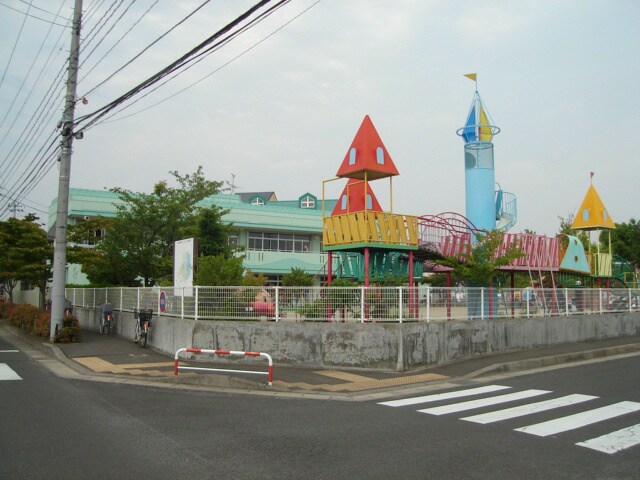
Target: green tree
{"points": [[139, 241], [565, 229], [219, 270], [297, 277], [250, 279], [25, 255], [625, 241], [480, 263]]}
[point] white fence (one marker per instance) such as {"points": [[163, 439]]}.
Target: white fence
{"points": [[359, 304]]}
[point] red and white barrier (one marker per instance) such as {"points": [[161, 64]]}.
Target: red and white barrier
{"points": [[269, 373]]}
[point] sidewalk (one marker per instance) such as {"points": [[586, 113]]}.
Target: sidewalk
{"points": [[117, 355], [119, 359]]}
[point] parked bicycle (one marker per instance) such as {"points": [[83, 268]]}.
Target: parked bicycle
{"points": [[106, 319], [143, 325]]}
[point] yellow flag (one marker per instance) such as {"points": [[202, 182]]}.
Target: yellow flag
{"points": [[472, 76]]}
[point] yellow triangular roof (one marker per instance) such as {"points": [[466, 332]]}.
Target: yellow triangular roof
{"points": [[592, 214]]}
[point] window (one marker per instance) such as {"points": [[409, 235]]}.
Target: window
{"points": [[380, 156], [308, 202], [257, 201], [352, 156], [585, 215], [232, 241], [343, 205], [369, 202], [279, 242]]}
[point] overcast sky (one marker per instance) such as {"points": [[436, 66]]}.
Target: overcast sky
{"points": [[560, 78]]}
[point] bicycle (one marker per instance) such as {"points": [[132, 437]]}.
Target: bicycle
{"points": [[143, 325], [106, 319]]}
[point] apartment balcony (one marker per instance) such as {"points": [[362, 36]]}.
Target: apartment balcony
{"points": [[370, 228]]}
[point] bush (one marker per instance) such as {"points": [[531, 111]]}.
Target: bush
{"points": [[42, 326], [70, 331], [23, 316], [3, 308]]}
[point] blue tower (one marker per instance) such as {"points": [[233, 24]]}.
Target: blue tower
{"points": [[483, 203]]}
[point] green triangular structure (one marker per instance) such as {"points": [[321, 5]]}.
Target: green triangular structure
{"points": [[575, 259]]}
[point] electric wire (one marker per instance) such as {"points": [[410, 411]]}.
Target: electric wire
{"points": [[225, 64], [138, 55], [27, 14], [88, 72], [92, 118], [213, 48], [26, 77], [56, 15], [13, 50], [88, 38]]}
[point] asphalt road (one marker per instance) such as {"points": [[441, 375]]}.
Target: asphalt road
{"points": [[64, 428]]}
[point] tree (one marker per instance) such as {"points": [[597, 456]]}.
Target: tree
{"points": [[625, 241], [565, 229], [219, 270], [25, 254], [297, 277], [479, 265], [138, 243]]}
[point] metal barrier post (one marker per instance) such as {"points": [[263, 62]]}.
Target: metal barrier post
{"points": [[138, 299], [361, 304], [428, 303], [182, 304], [600, 299], [269, 372], [482, 303], [277, 300], [121, 297], [195, 312], [566, 301], [400, 302]]}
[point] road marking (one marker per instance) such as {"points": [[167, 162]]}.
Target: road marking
{"points": [[484, 402], [528, 409], [6, 373], [578, 420], [9, 351], [615, 441], [443, 396]]}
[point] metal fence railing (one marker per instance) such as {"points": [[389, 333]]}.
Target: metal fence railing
{"points": [[359, 304]]}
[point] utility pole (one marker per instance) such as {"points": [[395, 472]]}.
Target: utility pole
{"points": [[60, 246]]}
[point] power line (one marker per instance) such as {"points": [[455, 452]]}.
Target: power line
{"points": [[35, 58], [195, 52], [13, 50], [56, 15], [119, 40], [188, 87], [138, 55], [27, 14]]}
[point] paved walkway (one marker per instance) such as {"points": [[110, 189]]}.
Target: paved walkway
{"points": [[116, 357]]}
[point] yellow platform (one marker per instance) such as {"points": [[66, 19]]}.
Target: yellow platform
{"points": [[370, 227]]}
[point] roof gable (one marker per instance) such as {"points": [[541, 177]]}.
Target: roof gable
{"points": [[367, 155], [592, 214]]}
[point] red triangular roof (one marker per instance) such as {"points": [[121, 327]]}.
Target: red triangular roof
{"points": [[366, 144], [354, 193]]}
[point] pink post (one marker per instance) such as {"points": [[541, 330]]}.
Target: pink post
{"points": [[329, 267], [366, 266]]}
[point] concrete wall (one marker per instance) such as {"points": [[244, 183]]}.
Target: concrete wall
{"points": [[388, 346]]}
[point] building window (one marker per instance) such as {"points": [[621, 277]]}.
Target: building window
{"points": [[352, 156], [308, 202], [369, 202], [279, 242], [343, 205], [232, 241], [257, 201], [25, 285], [380, 156]]}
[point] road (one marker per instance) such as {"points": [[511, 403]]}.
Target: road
{"points": [[68, 428]]}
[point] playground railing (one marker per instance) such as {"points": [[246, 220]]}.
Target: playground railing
{"points": [[358, 304]]}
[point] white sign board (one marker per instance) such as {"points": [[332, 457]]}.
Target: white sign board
{"points": [[183, 261]]}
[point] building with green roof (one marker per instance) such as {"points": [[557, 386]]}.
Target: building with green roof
{"points": [[276, 235]]}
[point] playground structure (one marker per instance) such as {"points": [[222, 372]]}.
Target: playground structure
{"points": [[372, 244]]}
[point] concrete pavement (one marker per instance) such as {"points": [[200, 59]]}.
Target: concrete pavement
{"points": [[114, 358]]}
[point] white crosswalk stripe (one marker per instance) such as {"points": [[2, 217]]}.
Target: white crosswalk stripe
{"points": [[615, 441], [610, 443], [528, 409], [6, 373], [443, 396], [485, 402], [578, 420]]}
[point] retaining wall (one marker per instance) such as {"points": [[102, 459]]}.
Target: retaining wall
{"points": [[385, 346]]}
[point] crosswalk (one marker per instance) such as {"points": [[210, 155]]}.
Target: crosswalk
{"points": [[7, 373], [610, 443]]}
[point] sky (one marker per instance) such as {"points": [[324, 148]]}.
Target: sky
{"points": [[281, 103]]}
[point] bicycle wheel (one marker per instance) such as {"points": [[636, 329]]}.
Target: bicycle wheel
{"points": [[143, 339]]}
